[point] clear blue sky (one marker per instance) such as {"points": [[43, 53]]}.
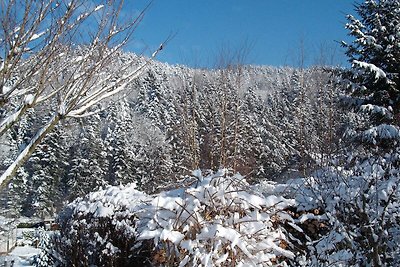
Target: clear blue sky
{"points": [[273, 28]]}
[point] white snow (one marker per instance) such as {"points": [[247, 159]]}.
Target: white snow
{"points": [[62, 109], [6, 88], [82, 16], [8, 172], [379, 73], [97, 8], [201, 222], [374, 109], [25, 252], [381, 132], [28, 100], [17, 29], [37, 36], [173, 236]]}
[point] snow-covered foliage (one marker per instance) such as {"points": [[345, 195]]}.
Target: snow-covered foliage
{"points": [[378, 134], [100, 229], [346, 214], [358, 207], [386, 113], [356, 194], [217, 221], [375, 77], [44, 258], [266, 123], [46, 66], [177, 119], [369, 68]]}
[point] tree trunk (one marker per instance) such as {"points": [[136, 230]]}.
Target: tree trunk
{"points": [[28, 150]]}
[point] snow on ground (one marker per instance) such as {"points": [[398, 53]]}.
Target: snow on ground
{"points": [[21, 256], [24, 252]]}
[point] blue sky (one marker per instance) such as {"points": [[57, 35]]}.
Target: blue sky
{"points": [[273, 29]]}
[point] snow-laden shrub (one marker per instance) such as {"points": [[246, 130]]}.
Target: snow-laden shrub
{"points": [[359, 207], [217, 221], [100, 229]]}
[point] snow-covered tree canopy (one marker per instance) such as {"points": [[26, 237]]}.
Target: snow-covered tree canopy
{"points": [[60, 56], [376, 48], [375, 58]]}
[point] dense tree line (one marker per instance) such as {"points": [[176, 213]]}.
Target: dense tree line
{"points": [[266, 123]]}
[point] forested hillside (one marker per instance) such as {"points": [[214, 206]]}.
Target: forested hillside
{"points": [[263, 122], [149, 164]]}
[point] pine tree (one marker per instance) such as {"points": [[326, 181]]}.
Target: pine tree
{"points": [[248, 141], [186, 132], [117, 143], [375, 75], [16, 139], [47, 168], [45, 257]]}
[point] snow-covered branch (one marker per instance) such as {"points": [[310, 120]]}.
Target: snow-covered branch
{"points": [[371, 68], [61, 58], [101, 93], [28, 150]]}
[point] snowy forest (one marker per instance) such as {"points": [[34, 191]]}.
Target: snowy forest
{"points": [[143, 163]]}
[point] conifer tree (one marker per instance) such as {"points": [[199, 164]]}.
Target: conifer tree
{"points": [[375, 76], [87, 160], [117, 146], [47, 167]]}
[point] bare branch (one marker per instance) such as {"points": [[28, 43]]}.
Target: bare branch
{"points": [[62, 56]]}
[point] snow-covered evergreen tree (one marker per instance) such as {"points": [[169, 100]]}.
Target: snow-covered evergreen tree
{"points": [[47, 168], [375, 76], [87, 166], [45, 257], [358, 189], [118, 126]]}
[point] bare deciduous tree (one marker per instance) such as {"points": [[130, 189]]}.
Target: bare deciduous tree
{"points": [[61, 56]]}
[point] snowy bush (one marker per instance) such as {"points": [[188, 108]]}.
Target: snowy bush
{"points": [[217, 221], [341, 216], [100, 228], [359, 207]]}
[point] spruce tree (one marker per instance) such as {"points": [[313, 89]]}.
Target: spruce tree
{"points": [[47, 168], [375, 75]]}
